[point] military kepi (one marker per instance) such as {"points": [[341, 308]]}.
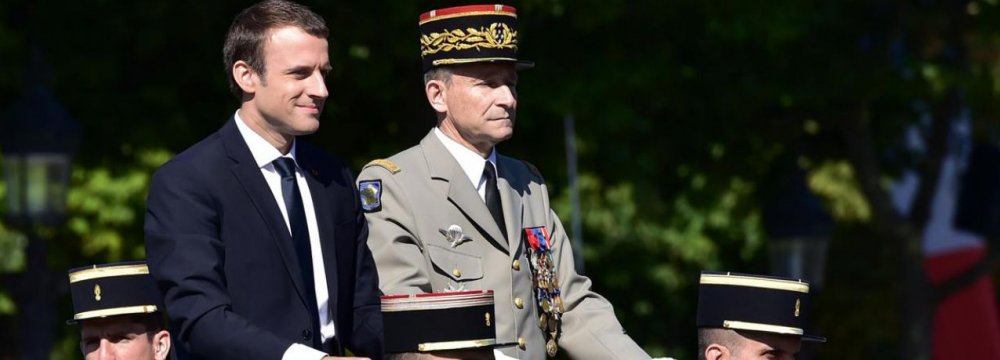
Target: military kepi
{"points": [[469, 34], [122, 288], [439, 321], [754, 303]]}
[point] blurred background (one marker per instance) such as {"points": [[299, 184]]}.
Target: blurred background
{"points": [[849, 143]]}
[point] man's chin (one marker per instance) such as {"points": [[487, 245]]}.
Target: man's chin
{"points": [[305, 127]]}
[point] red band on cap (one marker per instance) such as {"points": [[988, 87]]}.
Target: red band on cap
{"points": [[458, 10]]}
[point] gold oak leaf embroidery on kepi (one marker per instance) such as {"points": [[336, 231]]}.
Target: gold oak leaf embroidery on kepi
{"points": [[497, 36]]}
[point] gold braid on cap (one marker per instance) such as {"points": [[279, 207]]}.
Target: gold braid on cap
{"points": [[497, 36]]}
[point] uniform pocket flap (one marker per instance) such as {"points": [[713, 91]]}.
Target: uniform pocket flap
{"points": [[455, 265]]}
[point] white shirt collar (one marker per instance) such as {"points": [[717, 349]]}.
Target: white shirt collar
{"points": [[263, 152], [469, 160]]}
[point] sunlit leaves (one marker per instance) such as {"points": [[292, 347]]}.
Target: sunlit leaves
{"points": [[107, 206], [835, 182]]}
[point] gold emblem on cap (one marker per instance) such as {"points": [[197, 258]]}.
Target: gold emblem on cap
{"points": [[97, 292], [487, 319], [798, 304], [497, 36]]}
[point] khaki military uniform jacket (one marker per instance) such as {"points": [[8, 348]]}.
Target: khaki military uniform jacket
{"points": [[423, 191]]}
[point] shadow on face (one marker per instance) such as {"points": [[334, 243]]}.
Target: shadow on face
{"points": [[122, 337], [761, 345]]}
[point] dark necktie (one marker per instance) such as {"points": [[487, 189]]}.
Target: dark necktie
{"points": [[297, 222], [493, 198]]}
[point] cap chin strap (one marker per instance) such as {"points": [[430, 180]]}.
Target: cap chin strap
{"points": [[750, 326]]}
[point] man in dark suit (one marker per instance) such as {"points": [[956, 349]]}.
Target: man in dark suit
{"points": [[256, 238]]}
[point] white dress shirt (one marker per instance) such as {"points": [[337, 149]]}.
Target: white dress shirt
{"points": [[265, 154], [470, 161]]}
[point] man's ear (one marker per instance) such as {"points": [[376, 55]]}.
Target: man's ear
{"points": [[717, 352], [245, 77], [437, 95], [161, 345]]}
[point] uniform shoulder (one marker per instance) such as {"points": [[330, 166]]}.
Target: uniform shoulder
{"points": [[387, 164], [519, 165], [531, 168], [400, 164]]}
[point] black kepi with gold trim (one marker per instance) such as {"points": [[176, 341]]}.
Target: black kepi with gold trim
{"points": [[113, 289], [469, 34], [754, 303], [439, 321]]}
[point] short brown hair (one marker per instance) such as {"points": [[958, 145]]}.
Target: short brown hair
{"points": [[250, 28]]}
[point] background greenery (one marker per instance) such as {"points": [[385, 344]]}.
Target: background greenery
{"points": [[683, 108]]}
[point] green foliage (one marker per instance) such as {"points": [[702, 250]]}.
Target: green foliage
{"points": [[834, 181], [642, 261], [7, 305], [107, 208]]}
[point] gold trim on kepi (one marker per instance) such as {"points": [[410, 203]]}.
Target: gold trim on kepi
{"points": [[749, 302], [112, 289], [470, 34], [760, 282], [107, 271], [141, 309], [455, 345], [742, 325]]}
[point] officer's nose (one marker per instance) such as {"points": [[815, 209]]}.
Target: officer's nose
{"points": [[106, 351], [506, 96]]}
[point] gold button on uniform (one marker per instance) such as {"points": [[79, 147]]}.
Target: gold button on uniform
{"points": [[519, 303], [516, 265], [520, 342], [456, 272]]}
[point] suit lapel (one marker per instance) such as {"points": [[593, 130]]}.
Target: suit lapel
{"points": [[443, 167], [325, 216], [248, 174]]}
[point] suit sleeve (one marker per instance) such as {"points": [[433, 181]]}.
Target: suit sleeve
{"points": [[186, 257], [367, 337], [398, 254], [590, 329]]}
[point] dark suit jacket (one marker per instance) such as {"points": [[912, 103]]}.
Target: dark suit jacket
{"points": [[222, 255]]}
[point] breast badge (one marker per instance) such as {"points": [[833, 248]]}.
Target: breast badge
{"points": [[454, 235]]}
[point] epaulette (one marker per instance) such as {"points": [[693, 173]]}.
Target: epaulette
{"points": [[533, 169], [383, 163]]}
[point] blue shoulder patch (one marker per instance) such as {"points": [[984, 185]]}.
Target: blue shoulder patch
{"points": [[371, 195]]}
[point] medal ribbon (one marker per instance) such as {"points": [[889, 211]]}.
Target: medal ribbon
{"points": [[547, 293]]}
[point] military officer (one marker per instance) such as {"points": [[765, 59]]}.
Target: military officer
{"points": [[117, 308], [746, 317], [451, 213]]}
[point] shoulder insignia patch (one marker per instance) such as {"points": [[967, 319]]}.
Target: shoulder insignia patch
{"points": [[371, 195], [383, 163]]}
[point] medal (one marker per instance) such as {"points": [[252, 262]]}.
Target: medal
{"points": [[546, 284], [551, 348]]}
